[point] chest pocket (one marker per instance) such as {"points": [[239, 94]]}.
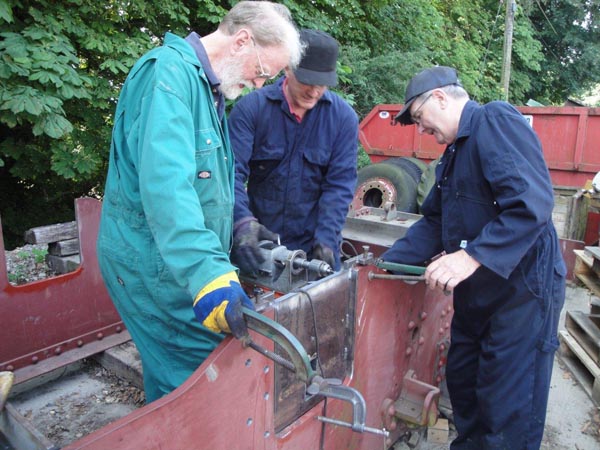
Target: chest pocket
{"points": [[468, 207], [265, 162], [212, 169], [315, 162]]}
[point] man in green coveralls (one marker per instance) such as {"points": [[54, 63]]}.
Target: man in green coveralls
{"points": [[166, 226]]}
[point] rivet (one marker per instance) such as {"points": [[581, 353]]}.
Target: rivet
{"points": [[411, 325], [248, 362], [10, 367], [35, 359], [79, 343], [408, 351], [100, 336], [208, 142], [58, 350], [249, 421], [266, 369], [444, 313], [438, 379], [423, 315], [440, 363], [441, 331], [267, 434], [442, 347], [421, 340], [119, 329], [266, 396], [447, 325]]}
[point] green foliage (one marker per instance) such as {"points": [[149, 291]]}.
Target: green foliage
{"points": [[61, 68], [39, 255], [569, 33], [363, 158]]}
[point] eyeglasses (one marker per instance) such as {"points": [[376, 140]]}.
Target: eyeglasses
{"points": [[417, 119], [260, 72]]}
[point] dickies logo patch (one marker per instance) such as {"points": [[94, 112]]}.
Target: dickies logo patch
{"points": [[204, 174]]}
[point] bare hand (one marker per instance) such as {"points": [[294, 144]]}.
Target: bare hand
{"points": [[447, 271]]}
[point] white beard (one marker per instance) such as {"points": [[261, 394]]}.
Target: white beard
{"points": [[229, 72]]}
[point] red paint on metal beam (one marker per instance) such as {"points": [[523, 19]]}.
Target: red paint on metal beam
{"points": [[233, 389], [47, 319]]}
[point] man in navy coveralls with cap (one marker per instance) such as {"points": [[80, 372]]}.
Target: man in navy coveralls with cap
{"points": [[295, 145], [490, 217]]}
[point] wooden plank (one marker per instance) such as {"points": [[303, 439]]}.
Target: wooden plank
{"points": [[124, 361], [63, 264], [583, 263], [585, 371], [586, 258], [576, 216], [591, 282], [584, 328], [593, 252], [594, 305], [64, 248], [51, 233]]}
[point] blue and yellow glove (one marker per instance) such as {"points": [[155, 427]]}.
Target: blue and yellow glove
{"points": [[218, 306]]}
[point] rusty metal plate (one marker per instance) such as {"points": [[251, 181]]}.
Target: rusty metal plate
{"points": [[328, 306]]}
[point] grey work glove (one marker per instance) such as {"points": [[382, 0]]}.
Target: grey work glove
{"points": [[324, 253], [245, 252]]}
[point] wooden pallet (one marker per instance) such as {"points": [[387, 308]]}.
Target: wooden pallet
{"points": [[585, 329], [587, 268], [584, 369]]}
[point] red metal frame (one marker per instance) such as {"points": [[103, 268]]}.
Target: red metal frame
{"points": [[570, 139], [53, 322], [399, 327]]}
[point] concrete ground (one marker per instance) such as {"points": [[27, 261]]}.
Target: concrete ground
{"points": [[573, 421]]}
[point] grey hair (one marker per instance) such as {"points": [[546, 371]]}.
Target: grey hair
{"points": [[271, 25], [453, 90]]}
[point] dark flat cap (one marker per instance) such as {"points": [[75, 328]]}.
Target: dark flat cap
{"points": [[318, 64], [426, 80]]}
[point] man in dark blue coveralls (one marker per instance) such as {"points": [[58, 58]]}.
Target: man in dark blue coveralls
{"points": [[295, 145], [490, 217]]}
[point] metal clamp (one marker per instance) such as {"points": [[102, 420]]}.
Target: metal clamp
{"points": [[300, 362], [333, 388]]}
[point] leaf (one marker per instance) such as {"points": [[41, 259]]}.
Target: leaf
{"points": [[56, 126], [114, 66], [8, 119], [44, 77], [6, 15], [66, 92], [15, 104], [33, 106]]}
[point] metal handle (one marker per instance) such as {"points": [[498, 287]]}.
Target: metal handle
{"points": [[396, 267]]}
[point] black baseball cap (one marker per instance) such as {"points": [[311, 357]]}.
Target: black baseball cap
{"points": [[426, 80], [318, 64]]}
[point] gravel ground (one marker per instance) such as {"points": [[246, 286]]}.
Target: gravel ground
{"points": [[78, 403], [28, 263]]}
